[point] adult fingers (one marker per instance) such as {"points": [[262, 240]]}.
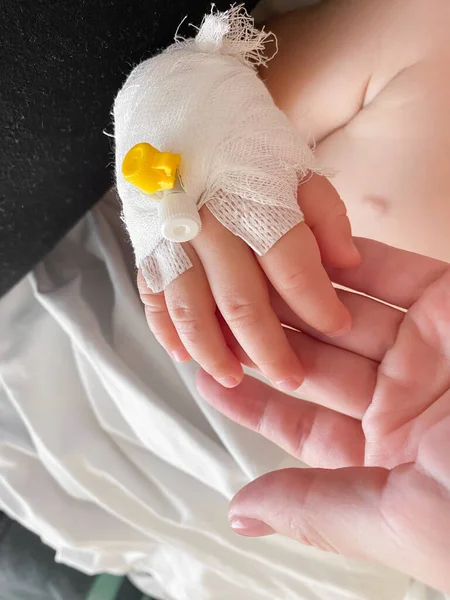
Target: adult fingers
{"points": [[316, 435], [374, 324], [389, 274], [398, 517], [334, 378]]}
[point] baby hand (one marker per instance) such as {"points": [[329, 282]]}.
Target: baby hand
{"points": [[228, 279]]}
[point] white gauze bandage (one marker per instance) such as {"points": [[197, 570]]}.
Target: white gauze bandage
{"points": [[240, 155]]}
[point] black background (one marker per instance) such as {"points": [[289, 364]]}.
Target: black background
{"points": [[61, 64]]}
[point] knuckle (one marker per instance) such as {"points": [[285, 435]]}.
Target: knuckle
{"points": [[154, 306], [187, 321], [302, 525], [153, 300], [217, 367], [301, 430], [307, 533], [275, 361], [239, 313], [336, 211], [158, 323], [295, 281], [339, 209]]}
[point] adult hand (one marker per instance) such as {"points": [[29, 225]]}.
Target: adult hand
{"points": [[378, 437]]}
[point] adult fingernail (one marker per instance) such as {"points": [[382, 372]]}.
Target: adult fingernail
{"points": [[288, 385], [180, 355], [250, 527], [228, 382]]}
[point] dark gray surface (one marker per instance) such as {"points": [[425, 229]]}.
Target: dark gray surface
{"points": [[28, 570], [61, 64]]}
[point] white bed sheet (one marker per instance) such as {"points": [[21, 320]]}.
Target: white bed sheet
{"points": [[110, 455]]}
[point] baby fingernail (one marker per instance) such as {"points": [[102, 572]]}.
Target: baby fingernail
{"points": [[250, 527], [288, 385], [228, 382]]}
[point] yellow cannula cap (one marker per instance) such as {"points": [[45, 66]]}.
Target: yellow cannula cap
{"points": [[149, 169]]}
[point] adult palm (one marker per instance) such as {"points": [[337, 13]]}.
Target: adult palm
{"points": [[377, 432]]}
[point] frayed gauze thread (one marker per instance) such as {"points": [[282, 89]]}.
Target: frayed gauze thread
{"points": [[241, 156]]}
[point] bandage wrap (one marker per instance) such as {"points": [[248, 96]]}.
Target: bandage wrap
{"points": [[202, 99]]}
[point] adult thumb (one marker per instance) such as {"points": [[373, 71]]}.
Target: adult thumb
{"points": [[364, 512]]}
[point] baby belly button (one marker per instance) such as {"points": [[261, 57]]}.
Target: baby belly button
{"points": [[377, 205]]}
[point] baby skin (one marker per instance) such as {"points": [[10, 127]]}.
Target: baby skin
{"points": [[367, 79], [370, 80], [226, 297]]}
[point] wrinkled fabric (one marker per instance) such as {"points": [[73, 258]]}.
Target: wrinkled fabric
{"points": [[28, 570], [110, 455]]}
